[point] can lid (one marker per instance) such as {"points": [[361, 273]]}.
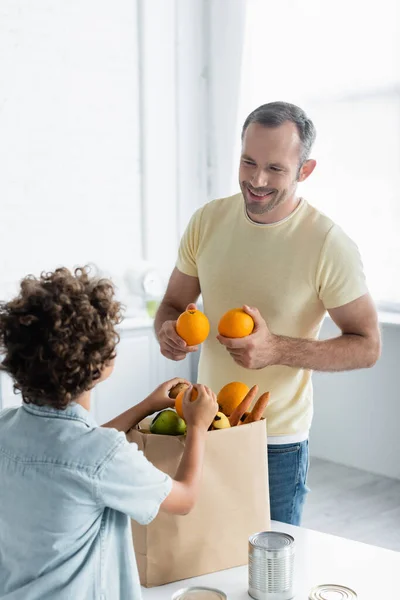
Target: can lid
{"points": [[199, 593], [332, 591], [271, 540]]}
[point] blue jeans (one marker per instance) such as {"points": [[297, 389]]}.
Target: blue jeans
{"points": [[287, 469]]}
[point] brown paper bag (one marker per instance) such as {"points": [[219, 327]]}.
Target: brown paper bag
{"points": [[233, 504]]}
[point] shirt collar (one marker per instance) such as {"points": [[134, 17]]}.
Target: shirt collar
{"points": [[73, 412]]}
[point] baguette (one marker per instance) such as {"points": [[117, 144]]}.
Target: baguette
{"points": [[258, 410], [243, 407]]}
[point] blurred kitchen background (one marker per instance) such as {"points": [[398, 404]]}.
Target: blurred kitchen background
{"points": [[118, 119]]}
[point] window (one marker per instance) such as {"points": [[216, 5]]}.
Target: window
{"points": [[341, 63]]}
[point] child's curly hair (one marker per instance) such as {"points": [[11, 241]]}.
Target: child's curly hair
{"points": [[58, 334]]}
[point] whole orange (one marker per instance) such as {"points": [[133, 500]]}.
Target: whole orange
{"points": [[179, 400], [235, 324], [231, 395], [193, 327]]}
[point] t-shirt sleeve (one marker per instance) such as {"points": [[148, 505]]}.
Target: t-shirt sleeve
{"points": [[340, 273], [188, 247], [129, 483]]}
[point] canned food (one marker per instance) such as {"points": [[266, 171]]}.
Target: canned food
{"points": [[331, 591], [271, 566], [199, 593]]}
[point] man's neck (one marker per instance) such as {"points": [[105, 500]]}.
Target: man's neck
{"points": [[280, 213]]}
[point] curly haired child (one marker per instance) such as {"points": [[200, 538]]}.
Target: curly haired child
{"points": [[69, 487]]}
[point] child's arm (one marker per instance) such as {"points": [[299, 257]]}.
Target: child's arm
{"points": [[131, 417], [156, 401], [199, 415], [129, 483]]}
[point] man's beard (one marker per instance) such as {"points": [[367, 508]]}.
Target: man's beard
{"points": [[274, 199]]}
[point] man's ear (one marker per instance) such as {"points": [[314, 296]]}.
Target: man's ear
{"points": [[306, 170]]}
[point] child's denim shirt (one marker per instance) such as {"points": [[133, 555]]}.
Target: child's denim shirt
{"points": [[67, 490]]}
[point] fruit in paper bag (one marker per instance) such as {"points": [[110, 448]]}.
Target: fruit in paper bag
{"points": [[221, 421], [179, 400], [231, 395], [193, 327], [168, 422], [235, 323], [174, 391]]}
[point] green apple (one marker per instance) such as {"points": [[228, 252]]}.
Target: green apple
{"points": [[168, 422]]}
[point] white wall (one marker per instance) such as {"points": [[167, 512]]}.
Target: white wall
{"points": [[102, 132], [173, 88], [192, 95], [357, 414], [226, 29], [158, 126], [69, 152]]}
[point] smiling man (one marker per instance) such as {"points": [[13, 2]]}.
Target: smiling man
{"points": [[268, 250]]}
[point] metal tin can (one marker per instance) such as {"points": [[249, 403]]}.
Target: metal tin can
{"points": [[271, 566], [199, 593], [331, 591]]}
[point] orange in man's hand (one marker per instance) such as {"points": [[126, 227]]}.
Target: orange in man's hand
{"points": [[235, 323], [231, 395], [179, 400], [193, 327]]}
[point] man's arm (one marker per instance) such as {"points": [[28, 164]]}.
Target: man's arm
{"points": [[182, 291], [358, 346]]}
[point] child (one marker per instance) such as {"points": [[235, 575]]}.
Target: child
{"points": [[69, 487]]}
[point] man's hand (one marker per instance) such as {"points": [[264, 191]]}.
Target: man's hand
{"points": [[358, 346], [159, 399], [172, 346], [257, 350]]}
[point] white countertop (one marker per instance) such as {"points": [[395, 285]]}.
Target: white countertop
{"points": [[370, 571]]}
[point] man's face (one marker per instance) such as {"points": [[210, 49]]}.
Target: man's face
{"points": [[269, 166]]}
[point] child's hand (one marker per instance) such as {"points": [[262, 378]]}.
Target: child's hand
{"points": [[159, 399], [200, 412]]}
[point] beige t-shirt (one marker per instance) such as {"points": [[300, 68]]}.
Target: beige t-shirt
{"points": [[292, 271]]}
